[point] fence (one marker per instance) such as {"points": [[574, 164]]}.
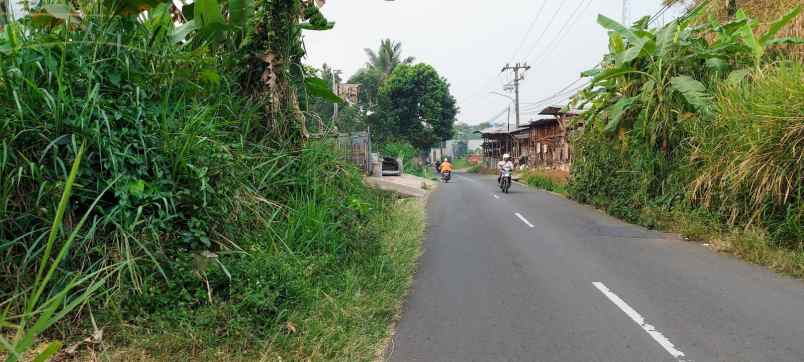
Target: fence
{"points": [[356, 147]]}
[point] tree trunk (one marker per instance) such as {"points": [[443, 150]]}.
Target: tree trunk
{"points": [[732, 8]]}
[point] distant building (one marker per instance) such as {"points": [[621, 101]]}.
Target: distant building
{"points": [[541, 143]]}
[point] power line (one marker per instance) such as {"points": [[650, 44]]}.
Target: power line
{"points": [[566, 90], [555, 98], [530, 28], [481, 90], [498, 115], [569, 91], [563, 33], [553, 19], [659, 13]]}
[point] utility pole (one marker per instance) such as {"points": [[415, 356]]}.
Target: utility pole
{"points": [[517, 77], [626, 12], [335, 90]]}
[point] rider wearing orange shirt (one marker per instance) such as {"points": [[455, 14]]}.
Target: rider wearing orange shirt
{"points": [[445, 166]]}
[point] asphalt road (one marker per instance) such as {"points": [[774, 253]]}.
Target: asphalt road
{"points": [[581, 286]]}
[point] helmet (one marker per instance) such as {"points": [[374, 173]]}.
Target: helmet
{"points": [[446, 160], [506, 156]]}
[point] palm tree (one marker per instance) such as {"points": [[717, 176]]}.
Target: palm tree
{"points": [[387, 57]]}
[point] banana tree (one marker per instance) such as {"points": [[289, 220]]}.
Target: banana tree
{"points": [[653, 78]]}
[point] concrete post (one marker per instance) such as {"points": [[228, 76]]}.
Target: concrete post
{"points": [[376, 165], [401, 166]]}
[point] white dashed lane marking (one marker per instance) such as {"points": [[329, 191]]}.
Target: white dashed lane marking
{"points": [[524, 220], [638, 319]]}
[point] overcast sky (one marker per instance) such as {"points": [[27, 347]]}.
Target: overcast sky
{"points": [[469, 41]]}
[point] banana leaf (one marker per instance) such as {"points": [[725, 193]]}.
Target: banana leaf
{"points": [[318, 87], [693, 91], [780, 23], [616, 113]]}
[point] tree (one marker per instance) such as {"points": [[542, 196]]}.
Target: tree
{"points": [[381, 63], [415, 105], [386, 58]]}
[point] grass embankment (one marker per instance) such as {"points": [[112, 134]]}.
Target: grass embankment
{"points": [[212, 230], [474, 169], [715, 153], [738, 185], [550, 180], [344, 315], [461, 164]]}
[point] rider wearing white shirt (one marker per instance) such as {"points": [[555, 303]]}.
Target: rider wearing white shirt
{"points": [[504, 164]]}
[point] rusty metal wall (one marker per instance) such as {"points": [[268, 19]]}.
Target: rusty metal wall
{"points": [[356, 148]]}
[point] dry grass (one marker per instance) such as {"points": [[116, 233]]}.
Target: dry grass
{"points": [[765, 11], [557, 176], [547, 179], [752, 246], [751, 158]]}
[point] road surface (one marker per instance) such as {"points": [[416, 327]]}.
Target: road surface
{"points": [[530, 276]]}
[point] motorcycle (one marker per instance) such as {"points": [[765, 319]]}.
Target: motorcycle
{"points": [[446, 176], [505, 181]]}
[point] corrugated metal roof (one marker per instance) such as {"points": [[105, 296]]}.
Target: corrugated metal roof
{"points": [[542, 122], [502, 130], [559, 110]]}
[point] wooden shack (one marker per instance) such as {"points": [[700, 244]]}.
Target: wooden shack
{"points": [[542, 143], [496, 143], [549, 139]]}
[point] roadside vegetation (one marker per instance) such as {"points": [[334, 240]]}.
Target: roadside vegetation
{"points": [[461, 164], [550, 180], [698, 127], [162, 198], [474, 169]]}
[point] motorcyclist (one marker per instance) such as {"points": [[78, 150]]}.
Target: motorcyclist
{"points": [[446, 170], [445, 166], [504, 164]]}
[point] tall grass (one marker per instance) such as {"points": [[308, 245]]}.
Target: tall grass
{"points": [[751, 157], [43, 309]]}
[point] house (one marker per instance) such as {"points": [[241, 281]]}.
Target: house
{"points": [[550, 138], [496, 143], [542, 143]]}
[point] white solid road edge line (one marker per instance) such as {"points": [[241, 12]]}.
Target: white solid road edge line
{"points": [[524, 220], [636, 317]]}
